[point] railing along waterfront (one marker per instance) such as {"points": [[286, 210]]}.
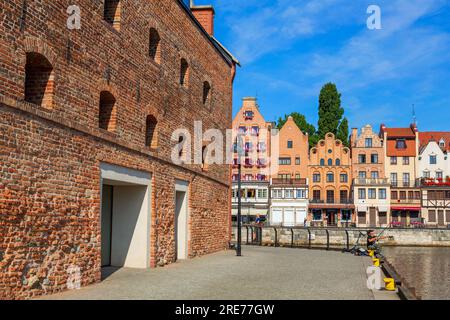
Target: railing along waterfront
{"points": [[317, 237]]}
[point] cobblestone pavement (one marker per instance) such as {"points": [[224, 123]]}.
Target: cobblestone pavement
{"points": [[262, 273]]}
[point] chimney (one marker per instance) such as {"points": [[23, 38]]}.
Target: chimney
{"points": [[204, 15], [353, 136], [249, 102]]}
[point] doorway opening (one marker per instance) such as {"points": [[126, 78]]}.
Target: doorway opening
{"points": [[125, 219], [331, 217], [181, 220]]}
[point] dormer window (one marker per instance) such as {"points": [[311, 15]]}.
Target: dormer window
{"points": [[442, 143], [401, 144]]}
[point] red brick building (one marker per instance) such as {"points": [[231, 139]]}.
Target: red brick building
{"points": [[86, 123]]}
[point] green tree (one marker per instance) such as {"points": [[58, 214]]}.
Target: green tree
{"points": [[342, 133], [330, 110], [302, 123]]}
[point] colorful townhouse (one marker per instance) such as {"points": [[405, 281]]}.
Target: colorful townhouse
{"points": [[289, 178], [330, 184], [401, 147], [254, 132], [371, 188], [434, 171]]}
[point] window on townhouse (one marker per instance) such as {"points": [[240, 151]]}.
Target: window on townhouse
{"points": [[316, 177], [411, 195], [406, 182], [394, 195], [382, 195], [330, 196], [372, 194], [112, 12], [39, 80], [284, 176], [251, 193], [330, 177], [374, 174], [343, 178], [439, 175], [151, 132], [107, 111], [317, 215], [362, 158], [255, 131], [297, 176], [426, 174], [405, 161], [400, 144], [433, 159], [361, 194], [184, 73], [316, 195], [368, 143], [301, 193], [284, 161], [346, 215], [154, 50], [362, 175], [297, 161], [262, 193], [277, 193], [402, 195], [344, 196], [289, 194], [393, 160], [330, 162], [322, 162], [248, 115], [338, 162], [374, 158], [261, 177], [290, 144], [206, 93]]}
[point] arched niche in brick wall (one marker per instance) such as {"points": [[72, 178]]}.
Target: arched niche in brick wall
{"points": [[39, 62], [107, 100]]}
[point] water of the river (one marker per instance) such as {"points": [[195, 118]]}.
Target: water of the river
{"points": [[425, 269]]}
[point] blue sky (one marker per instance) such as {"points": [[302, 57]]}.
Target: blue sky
{"points": [[290, 48]]}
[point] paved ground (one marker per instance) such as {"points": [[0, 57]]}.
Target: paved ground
{"points": [[262, 273]]}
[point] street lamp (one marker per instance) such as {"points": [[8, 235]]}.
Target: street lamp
{"points": [[240, 151]]}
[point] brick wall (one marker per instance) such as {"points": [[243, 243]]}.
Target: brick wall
{"points": [[50, 157]]}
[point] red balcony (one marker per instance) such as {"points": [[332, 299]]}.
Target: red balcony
{"points": [[439, 182]]}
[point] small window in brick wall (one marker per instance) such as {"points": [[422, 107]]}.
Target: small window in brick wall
{"points": [[39, 80], [107, 111], [112, 11], [155, 46], [205, 158], [206, 93], [184, 73], [151, 132]]}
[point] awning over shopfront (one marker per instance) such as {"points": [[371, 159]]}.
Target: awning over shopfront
{"points": [[405, 208]]}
